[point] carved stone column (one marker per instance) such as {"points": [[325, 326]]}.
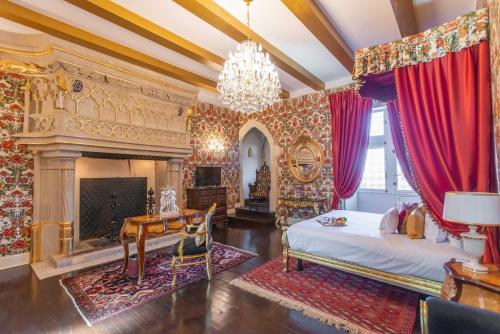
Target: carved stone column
{"points": [[174, 177], [56, 194]]}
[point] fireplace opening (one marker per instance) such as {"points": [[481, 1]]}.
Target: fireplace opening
{"points": [[95, 203]]}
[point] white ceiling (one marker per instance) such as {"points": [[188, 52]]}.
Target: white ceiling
{"points": [[362, 23], [431, 13]]}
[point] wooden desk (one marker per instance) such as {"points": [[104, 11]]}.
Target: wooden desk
{"points": [[142, 226], [475, 289]]}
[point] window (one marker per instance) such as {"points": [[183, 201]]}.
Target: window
{"points": [[402, 184], [382, 171], [374, 173], [377, 124]]}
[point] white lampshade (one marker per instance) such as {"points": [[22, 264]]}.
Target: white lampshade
{"points": [[472, 208]]}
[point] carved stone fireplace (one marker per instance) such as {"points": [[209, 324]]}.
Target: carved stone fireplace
{"points": [[89, 120], [129, 194]]}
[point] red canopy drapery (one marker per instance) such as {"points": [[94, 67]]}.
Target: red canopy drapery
{"points": [[350, 116], [443, 92], [445, 112]]}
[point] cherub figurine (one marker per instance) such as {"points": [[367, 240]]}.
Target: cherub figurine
{"points": [[168, 201]]}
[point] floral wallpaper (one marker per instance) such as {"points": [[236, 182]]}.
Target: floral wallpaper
{"points": [[286, 121], [16, 175], [494, 8], [462, 32], [214, 137]]}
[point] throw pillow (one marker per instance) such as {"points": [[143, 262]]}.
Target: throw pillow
{"points": [[401, 206], [404, 212], [415, 223], [390, 221], [432, 232]]}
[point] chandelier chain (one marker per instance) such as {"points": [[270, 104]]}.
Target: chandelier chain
{"points": [[249, 81], [248, 13]]}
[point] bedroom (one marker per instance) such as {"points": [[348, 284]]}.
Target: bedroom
{"points": [[161, 172]]}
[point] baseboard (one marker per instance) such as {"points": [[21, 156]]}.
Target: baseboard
{"points": [[10, 261]]}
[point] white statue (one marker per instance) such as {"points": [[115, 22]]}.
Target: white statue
{"points": [[167, 202]]}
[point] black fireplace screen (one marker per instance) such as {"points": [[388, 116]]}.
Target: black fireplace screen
{"points": [[95, 203]]}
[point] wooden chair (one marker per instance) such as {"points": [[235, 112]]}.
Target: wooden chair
{"points": [[186, 248]]}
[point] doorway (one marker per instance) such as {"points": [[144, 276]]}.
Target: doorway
{"points": [[256, 149]]}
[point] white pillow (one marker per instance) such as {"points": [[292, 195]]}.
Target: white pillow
{"points": [[432, 232], [389, 222]]}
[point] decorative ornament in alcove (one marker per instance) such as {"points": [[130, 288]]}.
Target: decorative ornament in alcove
{"points": [[77, 86], [250, 152]]}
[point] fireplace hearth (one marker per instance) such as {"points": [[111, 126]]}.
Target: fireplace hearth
{"points": [[96, 203]]}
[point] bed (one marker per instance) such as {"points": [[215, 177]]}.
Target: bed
{"points": [[360, 248]]}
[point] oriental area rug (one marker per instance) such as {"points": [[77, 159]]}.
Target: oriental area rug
{"points": [[103, 292], [346, 301]]}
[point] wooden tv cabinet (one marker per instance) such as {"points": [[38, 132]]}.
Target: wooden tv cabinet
{"points": [[202, 198]]}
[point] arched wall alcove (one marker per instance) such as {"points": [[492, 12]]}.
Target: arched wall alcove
{"points": [[273, 159]]}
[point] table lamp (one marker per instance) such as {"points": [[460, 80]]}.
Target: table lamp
{"points": [[473, 209]]}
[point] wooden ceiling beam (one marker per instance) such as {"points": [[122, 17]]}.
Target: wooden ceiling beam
{"points": [[313, 18], [127, 19], [220, 19], [405, 17], [72, 34]]}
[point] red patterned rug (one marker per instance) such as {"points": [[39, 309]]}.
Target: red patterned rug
{"points": [[103, 292], [347, 301]]}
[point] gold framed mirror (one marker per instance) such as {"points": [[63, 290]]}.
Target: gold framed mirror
{"points": [[305, 159]]}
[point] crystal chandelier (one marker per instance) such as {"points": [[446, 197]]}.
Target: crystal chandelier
{"points": [[249, 81]]}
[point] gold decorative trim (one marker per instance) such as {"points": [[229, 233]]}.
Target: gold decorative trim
{"points": [[424, 314], [36, 238], [66, 238], [405, 281], [51, 49], [19, 67], [15, 52], [302, 142]]}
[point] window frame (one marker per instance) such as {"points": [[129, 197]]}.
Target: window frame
{"points": [[390, 158]]}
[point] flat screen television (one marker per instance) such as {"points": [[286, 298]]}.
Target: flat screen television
{"points": [[208, 176]]}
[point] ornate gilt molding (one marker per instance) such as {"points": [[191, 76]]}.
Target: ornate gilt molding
{"points": [[50, 50], [409, 282], [19, 67], [94, 127]]}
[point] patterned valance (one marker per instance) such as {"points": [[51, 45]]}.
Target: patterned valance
{"points": [[455, 35]]}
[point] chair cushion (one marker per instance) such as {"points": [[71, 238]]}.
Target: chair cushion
{"points": [[189, 248], [449, 317]]}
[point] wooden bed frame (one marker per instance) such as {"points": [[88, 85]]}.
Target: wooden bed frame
{"points": [[405, 281]]}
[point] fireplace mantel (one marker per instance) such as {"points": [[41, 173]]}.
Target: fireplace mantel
{"points": [[79, 102], [73, 109]]}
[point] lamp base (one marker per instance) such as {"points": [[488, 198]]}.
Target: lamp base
{"points": [[474, 246], [474, 266]]}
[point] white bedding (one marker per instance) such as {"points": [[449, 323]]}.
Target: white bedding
{"points": [[362, 243]]}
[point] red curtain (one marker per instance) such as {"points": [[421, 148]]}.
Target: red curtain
{"points": [[445, 113], [398, 140], [350, 115]]}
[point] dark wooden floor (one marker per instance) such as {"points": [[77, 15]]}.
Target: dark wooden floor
{"points": [[28, 305]]}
